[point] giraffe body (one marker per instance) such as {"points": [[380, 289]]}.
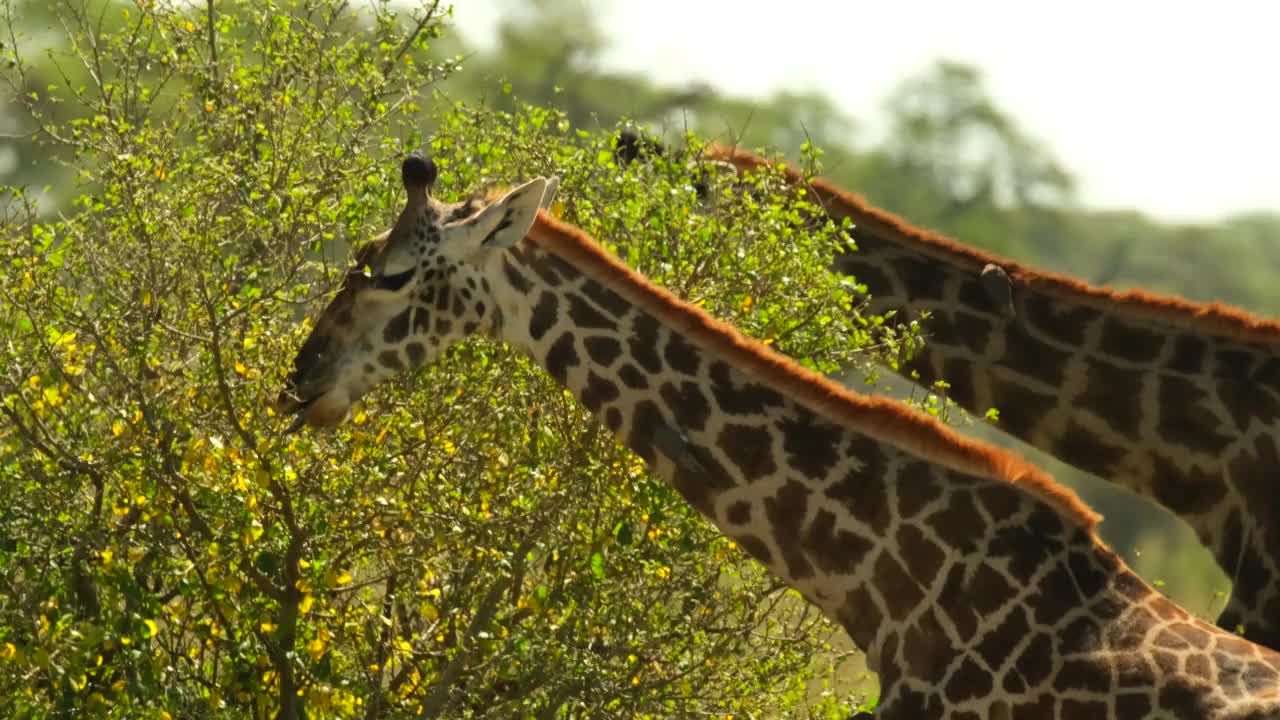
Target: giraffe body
{"points": [[1176, 401], [975, 585]]}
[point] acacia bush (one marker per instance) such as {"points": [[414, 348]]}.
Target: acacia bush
{"points": [[470, 544]]}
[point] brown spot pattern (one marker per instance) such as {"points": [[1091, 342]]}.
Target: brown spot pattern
{"points": [[417, 353], [1184, 417], [544, 315], [398, 328], [739, 513], [603, 350], [643, 343], [515, 278], [687, 404], [681, 355], [597, 392], [1033, 357], [390, 359], [834, 550], [631, 376], [1061, 321], [785, 512], [586, 317], [610, 301], [561, 357], [748, 399], [811, 445], [1129, 342], [749, 448]]}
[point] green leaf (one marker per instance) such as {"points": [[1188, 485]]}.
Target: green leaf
{"points": [[622, 532], [597, 565], [267, 562]]}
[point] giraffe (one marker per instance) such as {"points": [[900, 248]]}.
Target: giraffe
{"points": [[1177, 401], [975, 585]]}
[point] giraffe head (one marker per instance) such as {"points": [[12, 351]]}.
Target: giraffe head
{"points": [[412, 293]]}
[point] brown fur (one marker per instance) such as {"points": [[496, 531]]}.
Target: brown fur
{"points": [[881, 418], [1205, 318]]}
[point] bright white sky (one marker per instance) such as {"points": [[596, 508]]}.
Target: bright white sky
{"points": [[1168, 106]]}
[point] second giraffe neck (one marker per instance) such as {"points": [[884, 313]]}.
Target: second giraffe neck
{"points": [[1181, 413], [920, 544], [1174, 400]]}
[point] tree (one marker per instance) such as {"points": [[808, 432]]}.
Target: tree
{"points": [[470, 545]]}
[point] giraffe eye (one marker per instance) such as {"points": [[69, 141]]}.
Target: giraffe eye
{"points": [[393, 282]]}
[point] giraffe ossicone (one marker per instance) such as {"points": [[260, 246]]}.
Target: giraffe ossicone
{"points": [[975, 585]]}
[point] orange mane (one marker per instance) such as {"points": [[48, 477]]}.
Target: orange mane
{"points": [[881, 418], [1216, 318]]}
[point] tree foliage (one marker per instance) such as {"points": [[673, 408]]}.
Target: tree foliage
{"points": [[470, 544]]}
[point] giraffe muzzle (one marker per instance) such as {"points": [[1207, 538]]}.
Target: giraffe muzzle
{"points": [[320, 409], [301, 392], [316, 394], [288, 404]]}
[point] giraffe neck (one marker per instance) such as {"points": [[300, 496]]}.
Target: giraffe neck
{"points": [[965, 575], [1178, 402]]}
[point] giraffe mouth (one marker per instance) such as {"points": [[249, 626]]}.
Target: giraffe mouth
{"points": [[309, 391], [317, 405], [289, 403]]}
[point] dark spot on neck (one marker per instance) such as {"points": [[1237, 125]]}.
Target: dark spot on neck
{"points": [[643, 343], [561, 357], [687, 404], [739, 513], [610, 301], [598, 392], [645, 420], [682, 355], [518, 281], [417, 353], [750, 448], [584, 315], [544, 316], [747, 399], [603, 350], [812, 446], [398, 328], [786, 513], [632, 376], [390, 359]]}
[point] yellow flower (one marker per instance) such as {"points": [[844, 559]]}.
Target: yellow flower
{"points": [[316, 648]]}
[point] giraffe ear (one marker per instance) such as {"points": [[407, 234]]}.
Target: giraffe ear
{"points": [[500, 225], [549, 193]]}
